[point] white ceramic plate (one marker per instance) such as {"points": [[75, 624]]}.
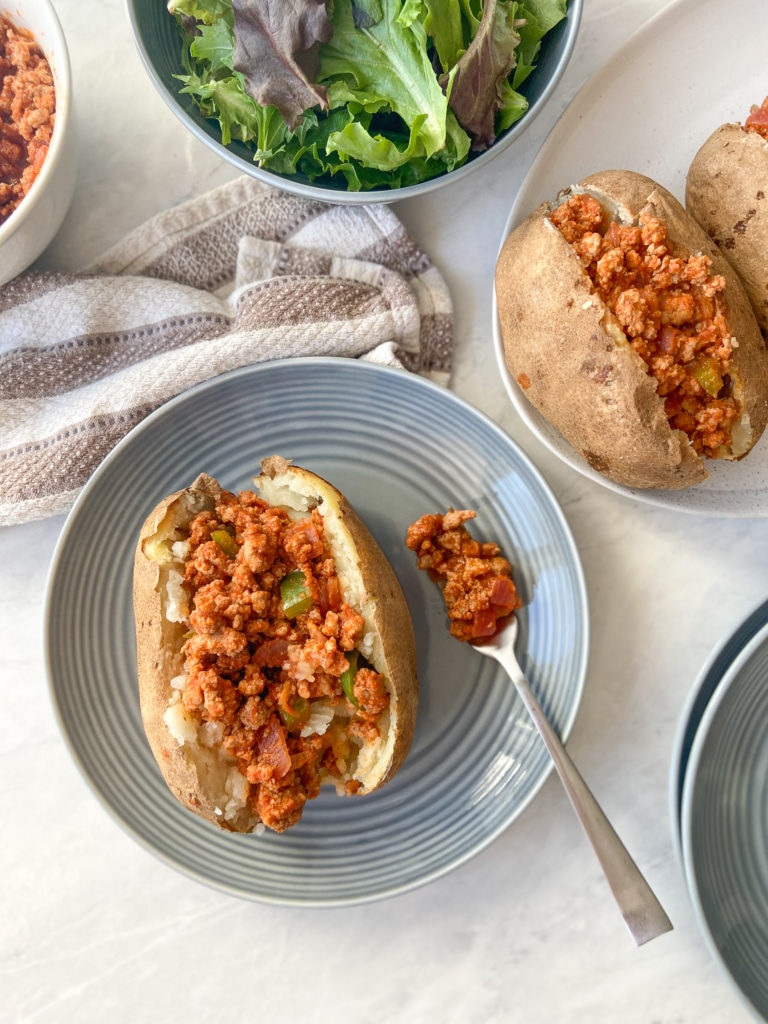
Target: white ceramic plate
{"points": [[693, 67], [398, 447]]}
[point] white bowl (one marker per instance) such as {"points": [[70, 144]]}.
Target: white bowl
{"points": [[35, 221]]}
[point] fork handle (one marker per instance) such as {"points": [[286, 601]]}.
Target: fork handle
{"points": [[641, 910]]}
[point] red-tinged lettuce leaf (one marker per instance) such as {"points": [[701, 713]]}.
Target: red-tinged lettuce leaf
{"points": [[276, 43], [475, 84]]}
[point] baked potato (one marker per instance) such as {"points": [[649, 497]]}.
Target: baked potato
{"points": [[275, 648], [727, 192], [627, 329]]}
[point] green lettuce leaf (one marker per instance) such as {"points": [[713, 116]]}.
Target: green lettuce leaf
{"points": [[206, 11], [513, 106], [538, 17], [238, 114], [446, 29], [214, 44], [381, 50], [546, 12]]}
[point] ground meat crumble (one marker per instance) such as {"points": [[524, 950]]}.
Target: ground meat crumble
{"points": [[257, 671], [672, 311], [27, 113], [474, 577]]}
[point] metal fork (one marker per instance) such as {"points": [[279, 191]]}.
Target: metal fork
{"points": [[642, 912]]}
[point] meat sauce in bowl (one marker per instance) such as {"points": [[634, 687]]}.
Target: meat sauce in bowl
{"points": [[27, 114], [476, 580]]}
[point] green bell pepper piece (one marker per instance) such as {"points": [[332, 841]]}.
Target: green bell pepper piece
{"points": [[294, 722], [707, 373], [295, 594], [348, 678], [226, 542]]}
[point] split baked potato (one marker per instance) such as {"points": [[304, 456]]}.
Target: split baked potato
{"points": [[727, 192], [626, 328], [275, 648]]}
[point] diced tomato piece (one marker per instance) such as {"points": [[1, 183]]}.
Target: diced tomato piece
{"points": [[273, 749], [758, 115], [39, 160], [613, 235], [271, 654], [329, 595], [484, 622], [666, 339], [503, 593]]}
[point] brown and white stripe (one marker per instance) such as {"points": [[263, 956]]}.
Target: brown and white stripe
{"points": [[241, 275]]}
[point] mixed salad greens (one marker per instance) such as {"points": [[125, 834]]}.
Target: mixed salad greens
{"points": [[385, 93]]}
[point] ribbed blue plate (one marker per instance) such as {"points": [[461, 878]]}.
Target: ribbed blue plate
{"points": [[397, 446], [699, 696], [724, 823]]}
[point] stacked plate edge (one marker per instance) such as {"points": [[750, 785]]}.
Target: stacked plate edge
{"points": [[724, 822]]}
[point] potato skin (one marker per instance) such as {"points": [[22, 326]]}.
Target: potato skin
{"points": [[727, 192], [159, 658], [586, 380], [394, 624], [159, 643]]}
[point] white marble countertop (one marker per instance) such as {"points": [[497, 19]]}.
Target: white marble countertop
{"points": [[94, 928]]}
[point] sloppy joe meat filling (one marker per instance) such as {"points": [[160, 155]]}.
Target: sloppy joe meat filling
{"points": [[27, 105], [672, 311], [474, 577], [258, 662], [758, 120]]}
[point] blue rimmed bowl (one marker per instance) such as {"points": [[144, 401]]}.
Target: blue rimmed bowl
{"points": [[159, 45]]}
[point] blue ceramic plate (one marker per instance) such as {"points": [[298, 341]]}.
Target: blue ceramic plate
{"points": [[397, 446], [717, 664], [724, 822]]}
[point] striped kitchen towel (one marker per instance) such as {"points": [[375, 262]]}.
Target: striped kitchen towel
{"points": [[243, 274]]}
